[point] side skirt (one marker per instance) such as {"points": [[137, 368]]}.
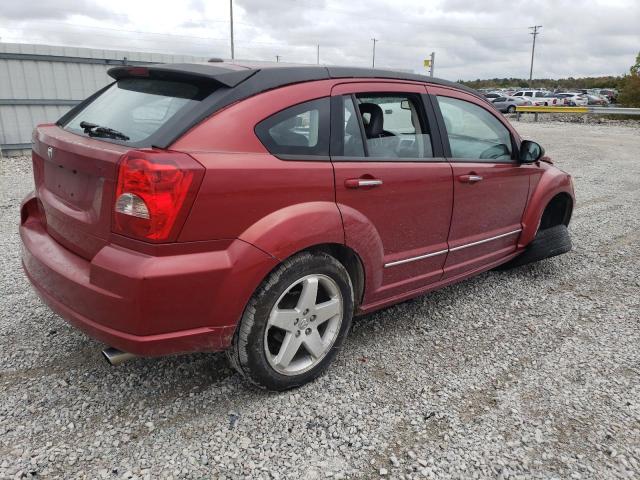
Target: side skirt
{"points": [[372, 307]]}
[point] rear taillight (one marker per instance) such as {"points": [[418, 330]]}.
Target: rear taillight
{"points": [[154, 192]]}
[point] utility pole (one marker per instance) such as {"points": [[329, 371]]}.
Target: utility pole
{"points": [[231, 29], [373, 61], [318, 54], [277, 58], [535, 33], [433, 58]]}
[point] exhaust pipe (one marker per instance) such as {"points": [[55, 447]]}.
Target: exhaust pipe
{"points": [[115, 356]]}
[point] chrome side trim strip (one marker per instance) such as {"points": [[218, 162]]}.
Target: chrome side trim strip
{"points": [[484, 241], [440, 252], [414, 259]]}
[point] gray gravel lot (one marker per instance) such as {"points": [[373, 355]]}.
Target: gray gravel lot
{"points": [[532, 373]]}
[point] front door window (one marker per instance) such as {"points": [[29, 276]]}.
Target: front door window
{"points": [[473, 132]]}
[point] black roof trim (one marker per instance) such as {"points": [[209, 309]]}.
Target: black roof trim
{"points": [[353, 72], [188, 71], [268, 77]]}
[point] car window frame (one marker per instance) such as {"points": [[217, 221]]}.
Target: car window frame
{"points": [[515, 148], [324, 130], [425, 114]]}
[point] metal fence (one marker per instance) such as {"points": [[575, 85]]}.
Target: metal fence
{"points": [[586, 111], [39, 83]]}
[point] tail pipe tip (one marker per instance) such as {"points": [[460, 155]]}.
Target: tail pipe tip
{"points": [[115, 356]]}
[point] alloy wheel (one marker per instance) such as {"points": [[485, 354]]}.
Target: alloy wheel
{"points": [[303, 324]]}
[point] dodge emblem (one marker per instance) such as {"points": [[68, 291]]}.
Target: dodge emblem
{"points": [[50, 153]]}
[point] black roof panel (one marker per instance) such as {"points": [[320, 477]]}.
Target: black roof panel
{"points": [[270, 75]]}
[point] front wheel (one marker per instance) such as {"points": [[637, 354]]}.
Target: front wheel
{"points": [[295, 323], [511, 109], [547, 243]]}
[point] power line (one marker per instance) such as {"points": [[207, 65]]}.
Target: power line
{"points": [[231, 27], [387, 20], [373, 60], [174, 37], [431, 63], [535, 33]]}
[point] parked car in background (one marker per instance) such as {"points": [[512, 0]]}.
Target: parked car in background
{"points": [[254, 209], [537, 97], [573, 99], [598, 100], [491, 96], [509, 104], [612, 95]]}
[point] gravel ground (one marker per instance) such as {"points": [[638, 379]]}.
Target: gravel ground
{"points": [[532, 373]]}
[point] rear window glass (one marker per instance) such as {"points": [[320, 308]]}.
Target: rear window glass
{"points": [[138, 107]]}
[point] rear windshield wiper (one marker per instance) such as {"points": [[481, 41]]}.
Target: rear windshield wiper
{"points": [[94, 130]]}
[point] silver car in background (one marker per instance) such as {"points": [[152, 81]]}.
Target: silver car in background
{"points": [[508, 104]]}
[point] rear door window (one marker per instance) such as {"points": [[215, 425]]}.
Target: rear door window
{"points": [[302, 129], [393, 125], [138, 107]]}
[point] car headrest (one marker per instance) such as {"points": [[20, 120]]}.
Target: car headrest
{"points": [[352, 127], [448, 125], [375, 126]]}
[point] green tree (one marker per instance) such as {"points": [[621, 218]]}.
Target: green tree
{"points": [[630, 91], [635, 69]]}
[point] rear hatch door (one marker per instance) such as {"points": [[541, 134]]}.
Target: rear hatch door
{"points": [[75, 181], [76, 160]]}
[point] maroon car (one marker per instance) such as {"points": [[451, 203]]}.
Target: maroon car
{"points": [[208, 207]]}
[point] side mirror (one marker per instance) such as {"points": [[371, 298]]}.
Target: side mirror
{"points": [[530, 151]]}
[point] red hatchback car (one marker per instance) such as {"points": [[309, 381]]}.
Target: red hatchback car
{"points": [[208, 207]]}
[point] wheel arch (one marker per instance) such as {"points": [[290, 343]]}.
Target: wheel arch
{"points": [[351, 261], [554, 195], [558, 211], [315, 226], [294, 228]]}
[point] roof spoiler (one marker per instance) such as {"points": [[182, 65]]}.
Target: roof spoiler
{"points": [[177, 71]]}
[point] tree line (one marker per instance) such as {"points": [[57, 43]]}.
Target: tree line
{"points": [[548, 83], [627, 85]]}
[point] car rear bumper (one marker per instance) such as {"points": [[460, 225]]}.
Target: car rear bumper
{"points": [[143, 304]]}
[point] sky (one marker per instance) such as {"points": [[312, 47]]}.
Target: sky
{"points": [[471, 38]]}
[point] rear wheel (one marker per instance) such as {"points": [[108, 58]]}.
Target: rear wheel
{"points": [[511, 109], [295, 323]]}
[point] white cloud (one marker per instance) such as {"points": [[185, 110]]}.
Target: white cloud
{"points": [[472, 39]]}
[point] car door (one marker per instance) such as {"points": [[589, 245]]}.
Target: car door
{"points": [[389, 169], [501, 103], [490, 186]]}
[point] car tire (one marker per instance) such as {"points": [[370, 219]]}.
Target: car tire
{"points": [[548, 243], [256, 352], [511, 109]]}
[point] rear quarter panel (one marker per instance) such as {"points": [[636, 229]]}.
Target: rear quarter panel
{"points": [[280, 206]]}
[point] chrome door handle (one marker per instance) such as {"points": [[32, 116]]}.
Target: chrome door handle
{"points": [[362, 182], [470, 178]]}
